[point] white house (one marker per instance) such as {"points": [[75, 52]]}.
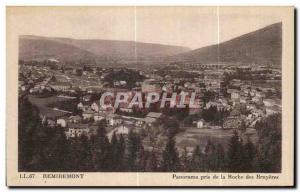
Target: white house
{"points": [[95, 107], [80, 106], [77, 132], [200, 123], [62, 122]]}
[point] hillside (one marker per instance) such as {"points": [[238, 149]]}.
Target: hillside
{"points": [[35, 47], [262, 47]]}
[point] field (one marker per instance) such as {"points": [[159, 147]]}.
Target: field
{"points": [[43, 103], [194, 136]]}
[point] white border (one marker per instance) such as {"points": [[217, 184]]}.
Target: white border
{"points": [[4, 3]]}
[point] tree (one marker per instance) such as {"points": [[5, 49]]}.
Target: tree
{"points": [[171, 125], [115, 152], [210, 157], [133, 146], [210, 113], [249, 155], [121, 151], [170, 157], [269, 144], [151, 162], [141, 159], [235, 163], [102, 148], [221, 158], [243, 126], [56, 151], [185, 161], [197, 159]]}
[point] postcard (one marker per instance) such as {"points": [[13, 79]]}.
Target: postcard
{"points": [[148, 96]]}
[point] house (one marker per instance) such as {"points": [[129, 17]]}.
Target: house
{"points": [[124, 107], [273, 110], [60, 86], [200, 123], [149, 120], [270, 102], [243, 99], [123, 129], [75, 119], [113, 119], [95, 107], [154, 115], [86, 98], [151, 86], [257, 99], [99, 116], [235, 95], [77, 130], [62, 122], [88, 114], [260, 94], [80, 106], [50, 123]]}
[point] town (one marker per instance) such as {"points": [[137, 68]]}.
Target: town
{"points": [[233, 98]]}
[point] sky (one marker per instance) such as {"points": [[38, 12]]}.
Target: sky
{"points": [[192, 27]]}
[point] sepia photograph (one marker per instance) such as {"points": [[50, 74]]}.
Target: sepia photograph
{"points": [[194, 94]]}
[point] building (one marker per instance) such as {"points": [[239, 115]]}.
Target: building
{"points": [[77, 130], [113, 120], [95, 107], [75, 119], [88, 114], [273, 110], [62, 122], [152, 117], [234, 93], [151, 86], [200, 123], [99, 116], [60, 86]]}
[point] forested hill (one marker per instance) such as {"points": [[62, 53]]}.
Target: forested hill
{"points": [[262, 46]]}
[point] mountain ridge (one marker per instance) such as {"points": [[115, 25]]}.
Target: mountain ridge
{"points": [[262, 46], [94, 48], [259, 46]]}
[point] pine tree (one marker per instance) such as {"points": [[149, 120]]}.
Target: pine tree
{"points": [[133, 145], [249, 155], [86, 154], [102, 148], [243, 126], [151, 162], [185, 160], [235, 154], [115, 152], [170, 157], [210, 157], [268, 157], [221, 159], [121, 151], [141, 159], [197, 159], [57, 150]]}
